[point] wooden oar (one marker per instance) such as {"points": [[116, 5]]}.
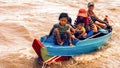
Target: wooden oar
{"points": [[93, 36]]}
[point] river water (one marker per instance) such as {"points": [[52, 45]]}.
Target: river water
{"points": [[23, 20]]}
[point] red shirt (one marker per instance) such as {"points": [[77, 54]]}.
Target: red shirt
{"points": [[84, 20]]}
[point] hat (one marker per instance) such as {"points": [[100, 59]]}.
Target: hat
{"points": [[90, 4], [82, 12]]}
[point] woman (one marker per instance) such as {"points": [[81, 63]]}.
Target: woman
{"points": [[84, 28]]}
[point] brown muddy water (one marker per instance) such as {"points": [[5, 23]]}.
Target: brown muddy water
{"points": [[23, 20]]}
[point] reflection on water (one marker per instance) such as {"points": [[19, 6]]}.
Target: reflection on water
{"points": [[23, 20]]}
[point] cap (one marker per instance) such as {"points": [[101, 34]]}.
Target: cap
{"points": [[90, 4]]}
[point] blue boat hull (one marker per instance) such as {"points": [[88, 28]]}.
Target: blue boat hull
{"points": [[81, 47]]}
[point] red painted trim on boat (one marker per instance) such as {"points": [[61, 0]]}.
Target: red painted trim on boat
{"points": [[37, 45]]}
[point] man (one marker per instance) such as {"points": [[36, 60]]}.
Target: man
{"points": [[94, 18]]}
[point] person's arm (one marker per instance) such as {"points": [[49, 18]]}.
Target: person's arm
{"points": [[83, 32], [99, 20], [93, 14]]}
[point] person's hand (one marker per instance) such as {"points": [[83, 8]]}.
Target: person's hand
{"points": [[84, 35]]}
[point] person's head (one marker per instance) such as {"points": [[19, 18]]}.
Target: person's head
{"points": [[69, 20], [80, 25], [82, 16], [91, 6], [63, 18]]}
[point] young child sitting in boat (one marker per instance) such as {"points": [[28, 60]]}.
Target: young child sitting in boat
{"points": [[61, 31], [80, 32], [72, 28]]}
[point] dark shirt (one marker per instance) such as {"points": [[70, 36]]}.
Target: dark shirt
{"points": [[94, 18], [84, 20], [62, 29]]}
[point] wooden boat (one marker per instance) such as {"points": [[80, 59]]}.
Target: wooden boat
{"points": [[48, 52]]}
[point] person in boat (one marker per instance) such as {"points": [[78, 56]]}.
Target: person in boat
{"points": [[70, 22], [100, 24], [83, 22], [80, 32], [61, 31], [72, 28], [103, 24]]}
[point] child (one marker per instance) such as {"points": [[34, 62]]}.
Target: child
{"points": [[72, 30], [80, 31], [61, 31], [70, 22]]}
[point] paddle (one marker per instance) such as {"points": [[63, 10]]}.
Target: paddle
{"points": [[92, 36]]}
